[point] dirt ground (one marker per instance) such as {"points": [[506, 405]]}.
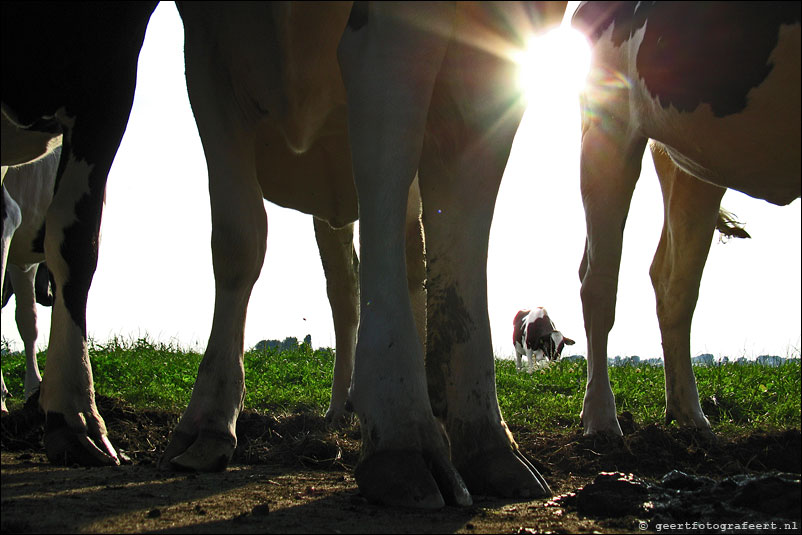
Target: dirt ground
{"points": [[291, 474]]}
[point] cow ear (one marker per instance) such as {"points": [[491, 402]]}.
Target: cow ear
{"points": [[568, 341]]}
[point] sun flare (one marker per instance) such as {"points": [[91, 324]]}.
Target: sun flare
{"points": [[554, 65]]}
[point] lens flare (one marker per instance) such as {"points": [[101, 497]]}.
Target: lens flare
{"points": [[554, 65]]}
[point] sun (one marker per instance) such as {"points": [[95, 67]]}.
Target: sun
{"points": [[554, 65]]}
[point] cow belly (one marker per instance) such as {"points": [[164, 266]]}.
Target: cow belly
{"points": [[776, 181], [318, 182]]}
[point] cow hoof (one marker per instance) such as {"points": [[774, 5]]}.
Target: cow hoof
{"points": [[698, 423], [32, 401], [504, 473], [706, 435], [32, 393], [339, 414], [85, 446], [408, 479], [206, 451], [612, 430], [600, 424]]}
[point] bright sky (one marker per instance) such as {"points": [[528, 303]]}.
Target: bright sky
{"points": [[155, 278]]}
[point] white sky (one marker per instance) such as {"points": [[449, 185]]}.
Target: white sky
{"points": [[155, 278]]}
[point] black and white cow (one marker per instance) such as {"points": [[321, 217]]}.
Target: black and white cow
{"points": [[716, 86], [535, 336], [70, 69], [27, 190]]}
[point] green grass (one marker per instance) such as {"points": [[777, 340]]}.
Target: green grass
{"points": [[288, 379], [161, 376], [734, 396]]}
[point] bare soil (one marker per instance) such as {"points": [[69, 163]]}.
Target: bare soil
{"points": [[292, 474]]}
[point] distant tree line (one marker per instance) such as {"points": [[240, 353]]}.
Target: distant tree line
{"points": [[705, 359], [288, 343]]}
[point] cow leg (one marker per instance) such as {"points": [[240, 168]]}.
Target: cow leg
{"points": [[205, 437], [404, 458], [227, 114], [341, 267], [609, 169], [75, 432], [23, 283], [691, 209], [460, 173], [532, 357], [10, 219]]}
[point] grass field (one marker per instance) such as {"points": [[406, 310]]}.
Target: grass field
{"points": [[159, 376]]}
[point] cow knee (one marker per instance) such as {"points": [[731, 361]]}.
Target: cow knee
{"points": [[238, 255]]}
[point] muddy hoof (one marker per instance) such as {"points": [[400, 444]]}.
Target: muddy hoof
{"points": [[505, 473], [86, 447], [406, 479], [207, 451]]}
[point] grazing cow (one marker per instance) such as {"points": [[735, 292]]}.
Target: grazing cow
{"points": [[418, 87], [716, 86], [27, 189], [73, 76], [534, 333]]}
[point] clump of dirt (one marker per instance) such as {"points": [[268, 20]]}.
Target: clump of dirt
{"points": [[293, 473], [679, 498]]}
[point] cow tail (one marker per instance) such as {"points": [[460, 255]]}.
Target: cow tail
{"points": [[729, 227]]}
